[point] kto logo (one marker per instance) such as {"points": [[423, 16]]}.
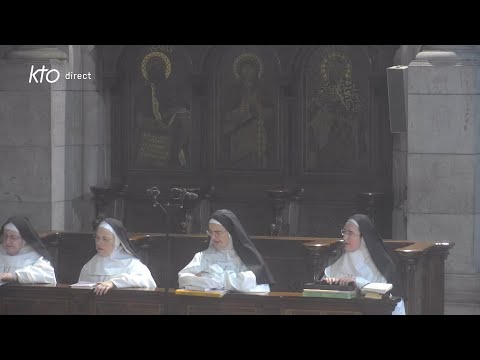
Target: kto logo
{"points": [[51, 78]]}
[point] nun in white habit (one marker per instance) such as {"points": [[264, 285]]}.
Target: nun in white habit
{"points": [[231, 261], [23, 256], [115, 264], [364, 259]]}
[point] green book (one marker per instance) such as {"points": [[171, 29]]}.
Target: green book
{"points": [[337, 294]]}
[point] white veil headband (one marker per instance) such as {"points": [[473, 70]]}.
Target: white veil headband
{"points": [[118, 243], [354, 222], [108, 227], [12, 227]]}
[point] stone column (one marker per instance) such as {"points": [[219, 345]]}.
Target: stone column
{"points": [[55, 137], [403, 56], [80, 138], [25, 140], [443, 164]]}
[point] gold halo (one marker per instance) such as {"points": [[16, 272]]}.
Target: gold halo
{"points": [[336, 57], [244, 57], [156, 54]]}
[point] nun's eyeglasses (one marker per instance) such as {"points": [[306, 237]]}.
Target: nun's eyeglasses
{"points": [[13, 237], [216, 232], [102, 238], [348, 232]]}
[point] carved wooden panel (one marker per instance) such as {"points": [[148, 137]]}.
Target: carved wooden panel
{"points": [[341, 130], [28, 300], [325, 219], [142, 302], [30, 305], [337, 109], [117, 304], [160, 97], [255, 215], [289, 311], [247, 119], [309, 306], [142, 215], [221, 309]]}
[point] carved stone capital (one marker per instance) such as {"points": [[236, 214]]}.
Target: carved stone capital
{"points": [[447, 54], [38, 52]]}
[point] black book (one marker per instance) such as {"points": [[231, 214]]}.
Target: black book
{"points": [[324, 286]]}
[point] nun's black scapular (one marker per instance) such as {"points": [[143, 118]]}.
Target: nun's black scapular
{"points": [[380, 256], [244, 247]]}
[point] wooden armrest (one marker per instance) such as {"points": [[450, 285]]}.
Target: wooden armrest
{"points": [[417, 247], [48, 233], [139, 236], [424, 246]]}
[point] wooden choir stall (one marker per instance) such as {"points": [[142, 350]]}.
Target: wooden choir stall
{"points": [[293, 261]]}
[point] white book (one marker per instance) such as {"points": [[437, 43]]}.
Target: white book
{"points": [[379, 288], [200, 288], [84, 285]]}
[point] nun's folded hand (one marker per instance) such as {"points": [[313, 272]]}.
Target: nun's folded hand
{"points": [[7, 277], [330, 280], [103, 287], [344, 280]]}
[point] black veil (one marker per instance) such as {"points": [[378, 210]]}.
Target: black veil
{"points": [[122, 234], [244, 247], [29, 234]]}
